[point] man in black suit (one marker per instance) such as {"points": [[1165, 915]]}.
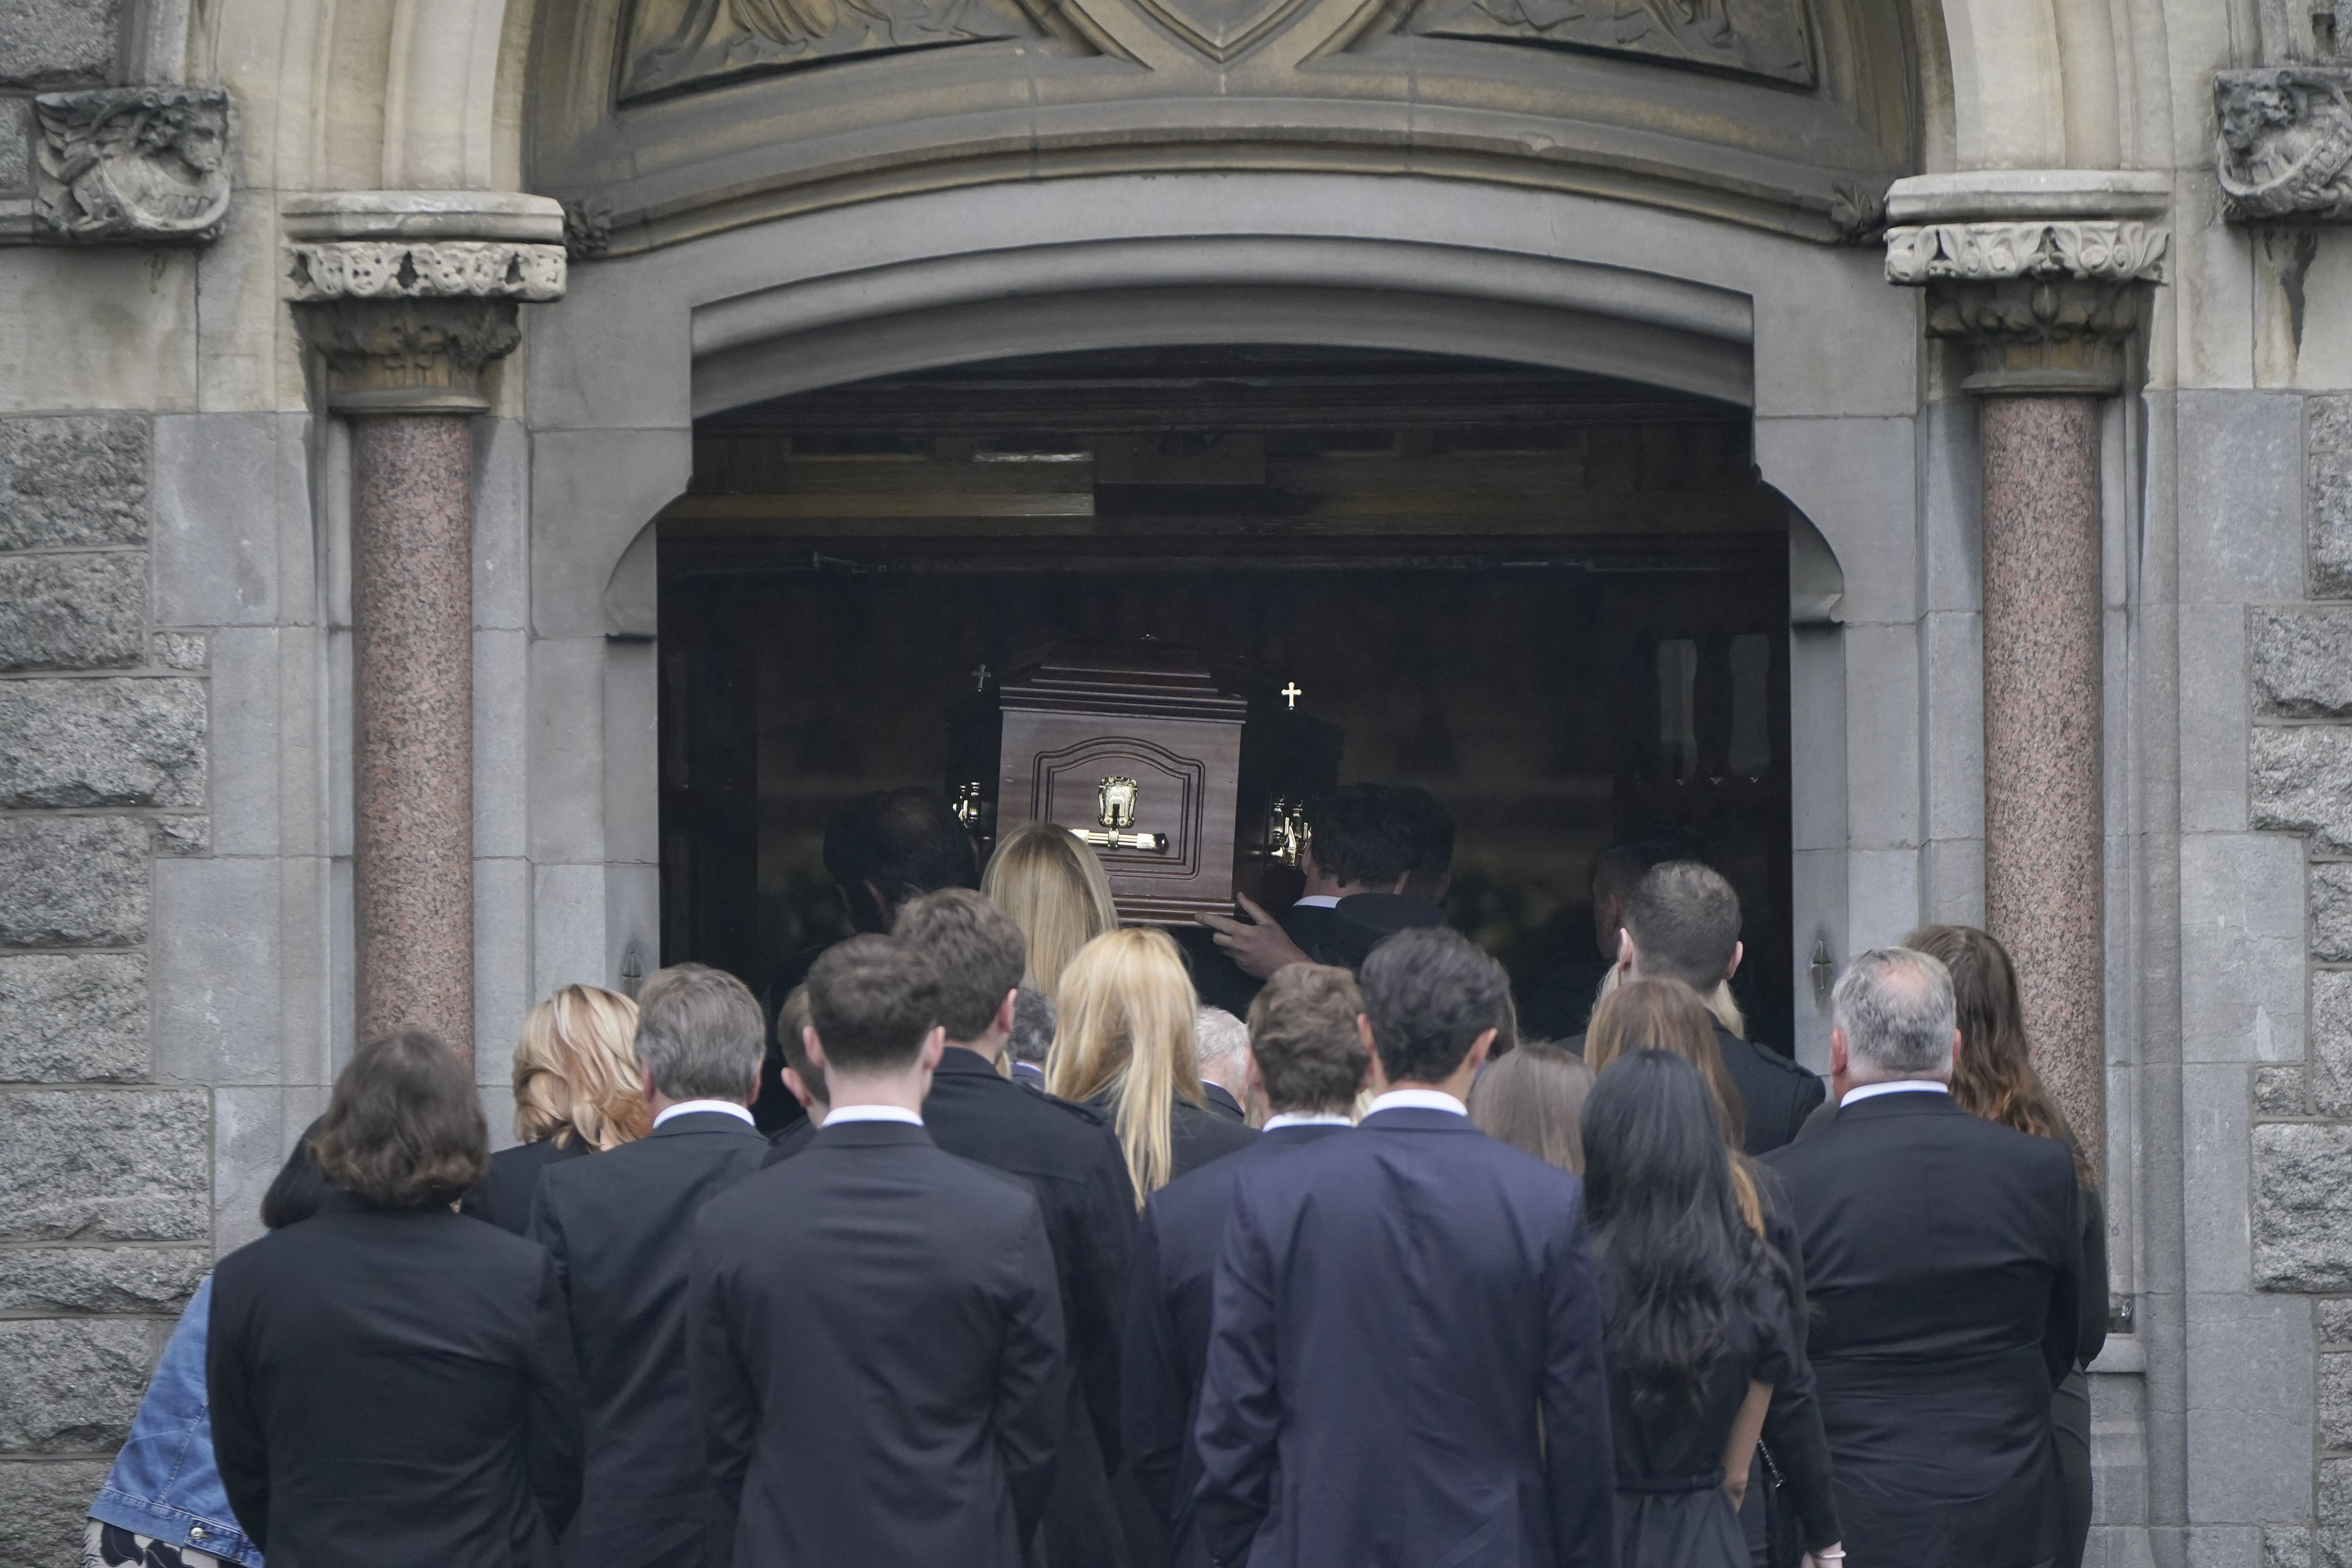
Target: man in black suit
{"points": [[1361, 838], [877, 1345], [1304, 1056], [802, 1078], [880, 849], [620, 1228], [1389, 1309], [1071, 1161], [1942, 1264], [1682, 922]]}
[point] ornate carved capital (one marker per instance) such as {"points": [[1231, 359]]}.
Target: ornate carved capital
{"points": [[2285, 152], [2050, 306], [140, 165], [406, 328]]}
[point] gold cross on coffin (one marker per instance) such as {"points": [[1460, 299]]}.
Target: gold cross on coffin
{"points": [[1292, 693]]}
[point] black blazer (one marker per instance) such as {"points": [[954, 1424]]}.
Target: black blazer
{"points": [[1221, 1100], [1405, 1365], [878, 1354], [1776, 1094], [503, 1195], [1073, 1165], [1317, 930], [621, 1229], [1944, 1270], [395, 1386], [1170, 1286]]}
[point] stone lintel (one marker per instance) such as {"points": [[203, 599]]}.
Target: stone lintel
{"points": [[1982, 195], [511, 215], [406, 326]]}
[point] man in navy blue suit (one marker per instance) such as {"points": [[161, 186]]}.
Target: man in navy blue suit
{"points": [[1404, 1363], [1307, 1059]]}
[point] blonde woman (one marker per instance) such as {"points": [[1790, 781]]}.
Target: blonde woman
{"points": [[576, 1091], [1055, 890], [1126, 1045]]}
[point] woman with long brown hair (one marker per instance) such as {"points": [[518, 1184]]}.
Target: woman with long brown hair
{"points": [[1126, 1044], [1532, 1100], [1055, 888], [1668, 1016], [576, 1091], [1994, 1079]]}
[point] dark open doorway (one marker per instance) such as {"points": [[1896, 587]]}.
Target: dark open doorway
{"points": [[1557, 602]]}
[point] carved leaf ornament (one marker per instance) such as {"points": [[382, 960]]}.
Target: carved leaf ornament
{"points": [[2096, 249]]}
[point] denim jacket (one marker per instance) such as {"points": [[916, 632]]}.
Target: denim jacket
{"points": [[164, 1484]]}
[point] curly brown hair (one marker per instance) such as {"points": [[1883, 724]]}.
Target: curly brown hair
{"points": [[1302, 1030], [1994, 1076], [403, 1127]]}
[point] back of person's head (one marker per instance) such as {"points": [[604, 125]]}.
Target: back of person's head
{"points": [[1672, 1250], [1430, 993], [976, 950], [1533, 1100], [404, 1127], [1994, 1077], [873, 1001], [1894, 1008], [1055, 890], [1359, 836], [1667, 1015], [300, 1188], [1302, 1031], [1220, 1039], [700, 1034], [895, 844], [1627, 858], [1127, 1007], [1033, 1025], [1431, 828], [575, 1071], [1685, 920], [791, 1019]]}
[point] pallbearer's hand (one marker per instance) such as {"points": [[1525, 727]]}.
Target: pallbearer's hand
{"points": [[1259, 946]]}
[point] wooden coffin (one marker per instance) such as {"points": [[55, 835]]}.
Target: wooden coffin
{"points": [[1186, 772]]}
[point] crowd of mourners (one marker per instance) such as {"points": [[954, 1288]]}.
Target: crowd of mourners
{"points": [[988, 1237]]}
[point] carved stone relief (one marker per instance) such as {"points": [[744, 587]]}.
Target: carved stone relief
{"points": [[2040, 305], [2285, 152], [1746, 38], [1223, 29], [407, 327], [142, 165], [2096, 249], [674, 44]]}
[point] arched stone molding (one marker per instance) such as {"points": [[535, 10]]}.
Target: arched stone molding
{"points": [[1807, 336]]}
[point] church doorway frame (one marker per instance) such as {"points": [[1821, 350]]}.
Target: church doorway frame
{"points": [[1808, 337]]}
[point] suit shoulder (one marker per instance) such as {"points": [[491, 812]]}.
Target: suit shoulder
{"points": [[1788, 1066]]}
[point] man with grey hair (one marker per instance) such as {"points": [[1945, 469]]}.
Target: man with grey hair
{"points": [[621, 1227], [1222, 1041], [1943, 1262]]}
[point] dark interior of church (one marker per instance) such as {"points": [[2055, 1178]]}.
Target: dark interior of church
{"points": [[1557, 602]]}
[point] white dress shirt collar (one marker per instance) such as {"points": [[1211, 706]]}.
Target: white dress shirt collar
{"points": [[1315, 902], [697, 1107], [1899, 1086], [841, 1114], [1305, 1119], [1416, 1099]]}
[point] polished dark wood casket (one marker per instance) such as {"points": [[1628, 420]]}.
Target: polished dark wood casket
{"points": [[1187, 772]]}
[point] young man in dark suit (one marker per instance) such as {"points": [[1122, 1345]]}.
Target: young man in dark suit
{"points": [[1682, 922], [878, 1346], [1071, 1161], [1362, 838], [620, 1228], [1942, 1263], [1404, 1363], [1305, 1057]]}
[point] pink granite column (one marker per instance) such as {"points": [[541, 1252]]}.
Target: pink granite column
{"points": [[2043, 822], [413, 697]]}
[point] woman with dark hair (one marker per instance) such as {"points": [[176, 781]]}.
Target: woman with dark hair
{"points": [[1702, 1327], [162, 1506], [391, 1383], [1994, 1079]]}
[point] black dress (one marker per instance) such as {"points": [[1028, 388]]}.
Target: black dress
{"points": [[1672, 1509], [503, 1195]]}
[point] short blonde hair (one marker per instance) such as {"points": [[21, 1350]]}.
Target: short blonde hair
{"points": [[1055, 890], [1127, 1011], [575, 1071]]}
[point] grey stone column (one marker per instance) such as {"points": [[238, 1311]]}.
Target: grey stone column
{"points": [[405, 331], [2048, 312]]}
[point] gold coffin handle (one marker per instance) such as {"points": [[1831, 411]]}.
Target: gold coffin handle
{"points": [[1156, 843]]}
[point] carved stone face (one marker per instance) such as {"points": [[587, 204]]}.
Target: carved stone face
{"points": [[199, 145], [2248, 111]]}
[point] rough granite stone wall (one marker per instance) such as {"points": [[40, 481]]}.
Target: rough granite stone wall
{"points": [[2299, 664], [105, 1192]]}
